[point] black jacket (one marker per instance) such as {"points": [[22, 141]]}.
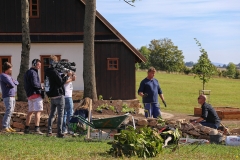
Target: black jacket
{"points": [[209, 114], [32, 84], [56, 82]]}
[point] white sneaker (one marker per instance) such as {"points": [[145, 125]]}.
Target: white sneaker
{"points": [[71, 132], [65, 132]]}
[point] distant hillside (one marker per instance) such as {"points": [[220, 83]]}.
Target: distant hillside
{"points": [[217, 64], [191, 63]]}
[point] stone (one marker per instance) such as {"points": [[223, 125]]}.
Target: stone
{"points": [[149, 119], [213, 132], [186, 127], [143, 122], [193, 132], [159, 126], [181, 121], [18, 125], [235, 131], [207, 130], [23, 117], [152, 123], [54, 126], [44, 117], [22, 114], [15, 119], [170, 122], [41, 124]]}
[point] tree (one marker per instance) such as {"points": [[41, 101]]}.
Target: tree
{"points": [[88, 51], [166, 56], [204, 69], [25, 50], [231, 70], [146, 53]]}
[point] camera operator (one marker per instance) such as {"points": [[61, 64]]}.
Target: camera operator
{"points": [[56, 92]]}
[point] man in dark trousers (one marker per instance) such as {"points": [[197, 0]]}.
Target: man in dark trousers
{"points": [[54, 87], [209, 116], [149, 90], [32, 86]]}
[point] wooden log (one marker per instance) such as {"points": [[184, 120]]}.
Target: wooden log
{"points": [[89, 118]]}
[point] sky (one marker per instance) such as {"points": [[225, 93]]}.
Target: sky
{"points": [[215, 23]]}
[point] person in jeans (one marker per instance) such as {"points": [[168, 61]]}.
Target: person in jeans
{"points": [[32, 86], [8, 94], [55, 92], [209, 117], [68, 110], [149, 90]]}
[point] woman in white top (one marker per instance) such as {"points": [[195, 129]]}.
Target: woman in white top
{"points": [[68, 110]]}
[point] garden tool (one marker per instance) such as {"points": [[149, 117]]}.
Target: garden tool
{"points": [[225, 129]]}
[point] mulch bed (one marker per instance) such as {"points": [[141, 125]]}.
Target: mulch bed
{"points": [[23, 108]]}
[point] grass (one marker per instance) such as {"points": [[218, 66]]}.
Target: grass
{"points": [[181, 91], [15, 146]]}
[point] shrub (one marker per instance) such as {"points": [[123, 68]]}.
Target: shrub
{"points": [[144, 142]]}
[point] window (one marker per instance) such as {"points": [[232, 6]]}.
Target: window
{"points": [[33, 9], [4, 59], [45, 64], [112, 64]]}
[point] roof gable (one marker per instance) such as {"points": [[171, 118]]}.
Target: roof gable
{"points": [[107, 24]]}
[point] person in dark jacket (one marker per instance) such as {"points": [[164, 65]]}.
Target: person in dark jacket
{"points": [[8, 94], [54, 87], [209, 116], [32, 86]]}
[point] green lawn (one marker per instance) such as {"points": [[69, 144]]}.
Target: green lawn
{"points": [[14, 146], [181, 91]]}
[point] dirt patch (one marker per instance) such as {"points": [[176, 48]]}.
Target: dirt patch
{"points": [[22, 107]]}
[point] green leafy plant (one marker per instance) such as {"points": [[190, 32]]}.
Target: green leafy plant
{"points": [[112, 108], [144, 142], [161, 121], [100, 97], [176, 134], [126, 109]]}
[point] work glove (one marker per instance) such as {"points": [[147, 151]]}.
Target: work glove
{"points": [[145, 95], [165, 104]]}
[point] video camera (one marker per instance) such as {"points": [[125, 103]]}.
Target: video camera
{"points": [[63, 66]]}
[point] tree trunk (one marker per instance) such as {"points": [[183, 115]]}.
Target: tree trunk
{"points": [[25, 50], [88, 52]]}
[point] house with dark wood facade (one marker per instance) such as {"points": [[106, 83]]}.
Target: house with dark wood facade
{"points": [[56, 28]]}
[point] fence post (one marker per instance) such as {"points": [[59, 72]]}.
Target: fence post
{"points": [[89, 118]]}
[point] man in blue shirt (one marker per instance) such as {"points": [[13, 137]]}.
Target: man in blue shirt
{"points": [[149, 90]]}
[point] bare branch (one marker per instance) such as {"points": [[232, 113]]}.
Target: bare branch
{"points": [[129, 2]]}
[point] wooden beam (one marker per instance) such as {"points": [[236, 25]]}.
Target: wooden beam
{"points": [[61, 33]]}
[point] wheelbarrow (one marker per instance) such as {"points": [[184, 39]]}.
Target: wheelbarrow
{"points": [[110, 123]]}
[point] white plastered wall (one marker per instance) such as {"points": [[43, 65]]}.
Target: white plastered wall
{"points": [[71, 51]]}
